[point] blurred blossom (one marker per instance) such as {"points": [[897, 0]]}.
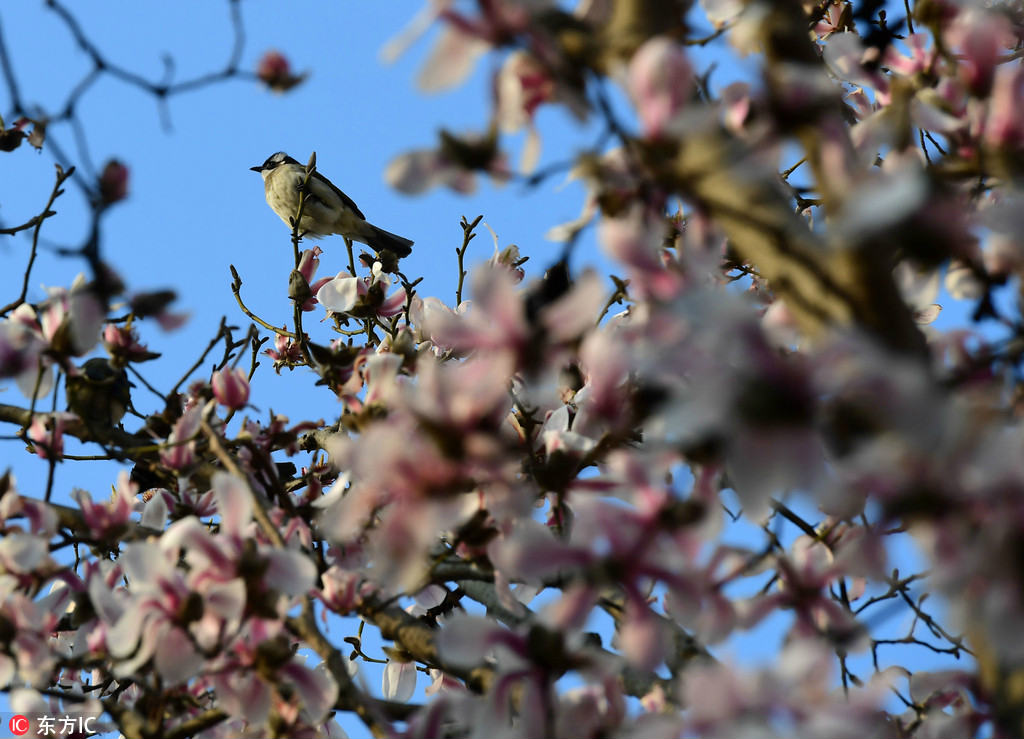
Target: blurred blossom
{"points": [[122, 344], [72, 320], [831, 22], [780, 325], [21, 351], [154, 304], [1004, 127], [399, 680], [495, 321], [11, 138], [637, 238], [919, 288], [962, 283], [507, 258], [342, 590], [660, 83], [523, 84], [453, 164], [274, 70], [1003, 256], [47, 434], [451, 60], [231, 387], [113, 182], [464, 38], [979, 34], [722, 12], [844, 54], [179, 453], [611, 184], [109, 519], [736, 104], [746, 28], [881, 200]]}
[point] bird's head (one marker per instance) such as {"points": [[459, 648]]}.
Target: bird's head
{"points": [[274, 161]]}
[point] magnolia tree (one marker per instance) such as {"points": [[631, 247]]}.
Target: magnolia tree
{"points": [[531, 497]]}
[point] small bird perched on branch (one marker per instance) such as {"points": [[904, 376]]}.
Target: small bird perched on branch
{"points": [[99, 394], [327, 209]]}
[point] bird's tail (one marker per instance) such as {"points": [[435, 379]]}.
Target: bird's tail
{"points": [[379, 239]]}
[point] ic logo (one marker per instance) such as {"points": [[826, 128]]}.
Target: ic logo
{"points": [[19, 725]]}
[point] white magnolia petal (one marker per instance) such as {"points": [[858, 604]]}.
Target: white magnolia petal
{"points": [[399, 681], [340, 294]]}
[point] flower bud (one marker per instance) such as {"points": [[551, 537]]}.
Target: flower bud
{"points": [[231, 388], [275, 71], [113, 182]]}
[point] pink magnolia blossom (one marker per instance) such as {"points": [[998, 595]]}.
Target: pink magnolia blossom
{"points": [[399, 680], [508, 258], [21, 346], [453, 164], [464, 38], [979, 34], [1003, 126], [246, 691], [49, 442], [108, 519], [286, 352], [71, 319], [522, 85], [231, 387], [495, 320], [122, 343], [309, 262], [180, 451], [343, 590], [362, 296], [660, 83]]}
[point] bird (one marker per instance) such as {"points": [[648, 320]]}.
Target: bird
{"points": [[327, 209], [99, 394]]}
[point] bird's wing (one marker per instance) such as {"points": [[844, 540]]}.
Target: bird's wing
{"points": [[345, 199]]}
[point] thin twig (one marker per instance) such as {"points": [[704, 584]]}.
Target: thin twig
{"points": [[467, 236], [62, 176]]}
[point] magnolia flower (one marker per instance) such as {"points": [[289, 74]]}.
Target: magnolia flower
{"points": [[108, 519], [231, 387], [660, 83], [522, 85], [122, 344], [286, 351], [452, 164], [21, 352], [309, 262], [47, 433], [71, 319], [361, 296], [179, 453]]}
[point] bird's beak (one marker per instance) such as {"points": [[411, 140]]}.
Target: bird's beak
{"points": [[257, 169]]}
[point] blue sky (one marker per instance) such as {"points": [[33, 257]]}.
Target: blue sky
{"points": [[194, 207]]}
